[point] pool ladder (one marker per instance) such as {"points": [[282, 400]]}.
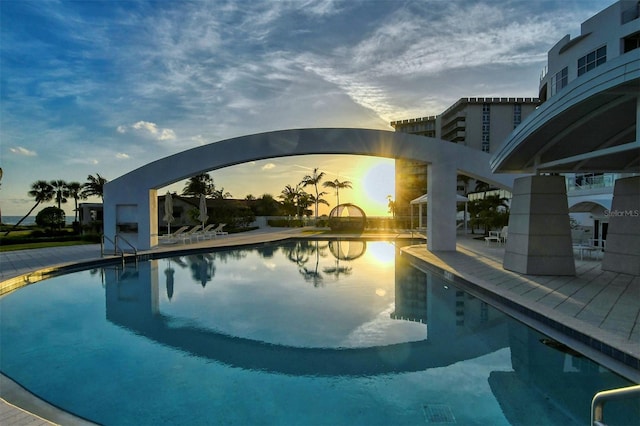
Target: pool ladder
{"points": [[115, 241], [600, 398]]}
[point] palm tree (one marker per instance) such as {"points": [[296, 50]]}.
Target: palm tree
{"points": [[75, 191], [60, 191], [219, 194], [42, 191], [314, 180], [94, 186], [337, 185], [199, 184], [391, 204], [482, 186], [291, 198], [489, 212]]}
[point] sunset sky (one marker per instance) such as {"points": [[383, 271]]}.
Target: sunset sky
{"points": [[104, 87]]}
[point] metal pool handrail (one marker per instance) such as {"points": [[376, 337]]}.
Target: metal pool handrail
{"points": [[599, 399], [115, 247], [135, 251], [115, 244]]}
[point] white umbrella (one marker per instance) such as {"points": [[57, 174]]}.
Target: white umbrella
{"points": [[168, 211], [203, 210]]}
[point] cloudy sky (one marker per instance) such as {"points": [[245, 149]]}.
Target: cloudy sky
{"points": [[107, 86]]}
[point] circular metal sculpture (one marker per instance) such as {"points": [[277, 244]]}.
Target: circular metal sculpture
{"points": [[347, 249], [347, 217]]}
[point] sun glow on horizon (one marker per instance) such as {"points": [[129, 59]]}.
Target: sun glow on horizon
{"points": [[378, 182], [372, 179]]}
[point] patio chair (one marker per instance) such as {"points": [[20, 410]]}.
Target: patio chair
{"points": [[173, 238], [205, 233], [504, 233], [218, 230], [499, 237], [190, 234]]}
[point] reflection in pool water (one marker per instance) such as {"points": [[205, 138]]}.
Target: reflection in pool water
{"points": [[306, 332]]}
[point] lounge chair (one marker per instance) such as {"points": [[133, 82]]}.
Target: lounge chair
{"points": [[218, 230], [205, 233], [173, 238], [190, 234]]}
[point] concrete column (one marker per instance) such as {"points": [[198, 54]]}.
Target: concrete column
{"points": [[539, 241], [622, 248], [147, 220], [441, 207]]}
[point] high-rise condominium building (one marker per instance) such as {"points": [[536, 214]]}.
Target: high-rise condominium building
{"points": [[479, 123]]}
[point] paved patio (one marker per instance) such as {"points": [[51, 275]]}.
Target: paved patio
{"points": [[594, 307]]}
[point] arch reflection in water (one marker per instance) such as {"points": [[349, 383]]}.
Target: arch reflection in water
{"points": [[259, 339]]}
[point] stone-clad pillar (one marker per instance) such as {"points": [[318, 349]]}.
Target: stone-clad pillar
{"points": [[622, 248], [441, 207], [539, 238]]}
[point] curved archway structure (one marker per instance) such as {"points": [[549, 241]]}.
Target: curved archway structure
{"points": [[130, 201]]}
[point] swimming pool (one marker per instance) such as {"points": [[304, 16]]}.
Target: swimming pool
{"points": [[303, 332]]}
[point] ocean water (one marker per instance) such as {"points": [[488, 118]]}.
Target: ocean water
{"points": [[30, 220]]}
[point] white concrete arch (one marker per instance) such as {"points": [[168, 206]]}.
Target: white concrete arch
{"points": [[130, 201]]}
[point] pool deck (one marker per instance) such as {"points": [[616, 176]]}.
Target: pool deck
{"points": [[596, 307]]}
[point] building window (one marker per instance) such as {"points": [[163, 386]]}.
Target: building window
{"points": [[592, 60], [486, 127], [517, 115], [632, 42], [560, 80]]}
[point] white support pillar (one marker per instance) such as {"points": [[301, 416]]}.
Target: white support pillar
{"points": [[539, 240], [622, 248], [441, 207], [131, 214]]}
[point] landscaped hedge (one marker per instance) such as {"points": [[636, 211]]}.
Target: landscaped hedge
{"points": [[285, 223]]}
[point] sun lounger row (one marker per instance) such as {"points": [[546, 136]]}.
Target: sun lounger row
{"points": [[195, 233]]}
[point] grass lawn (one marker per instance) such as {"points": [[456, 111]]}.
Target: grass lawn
{"points": [[27, 246], [24, 233]]}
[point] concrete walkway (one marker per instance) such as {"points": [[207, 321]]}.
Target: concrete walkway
{"points": [[595, 307]]}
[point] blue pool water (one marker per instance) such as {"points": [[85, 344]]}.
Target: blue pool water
{"points": [[300, 333]]}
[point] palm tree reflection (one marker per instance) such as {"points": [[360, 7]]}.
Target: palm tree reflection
{"points": [[338, 270], [202, 268]]}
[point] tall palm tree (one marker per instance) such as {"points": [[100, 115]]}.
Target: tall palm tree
{"points": [[75, 192], [391, 204], [94, 186], [314, 180], [337, 185], [42, 191], [199, 184], [482, 186], [60, 191], [291, 198]]}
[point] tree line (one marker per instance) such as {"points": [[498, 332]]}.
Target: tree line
{"points": [[295, 201], [60, 191]]}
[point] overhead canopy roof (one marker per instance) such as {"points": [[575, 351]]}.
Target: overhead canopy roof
{"points": [[590, 126], [595, 206], [424, 199]]}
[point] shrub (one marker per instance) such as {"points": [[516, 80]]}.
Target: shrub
{"points": [[51, 218]]}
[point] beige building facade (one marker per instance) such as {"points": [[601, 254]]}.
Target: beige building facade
{"points": [[478, 123]]}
